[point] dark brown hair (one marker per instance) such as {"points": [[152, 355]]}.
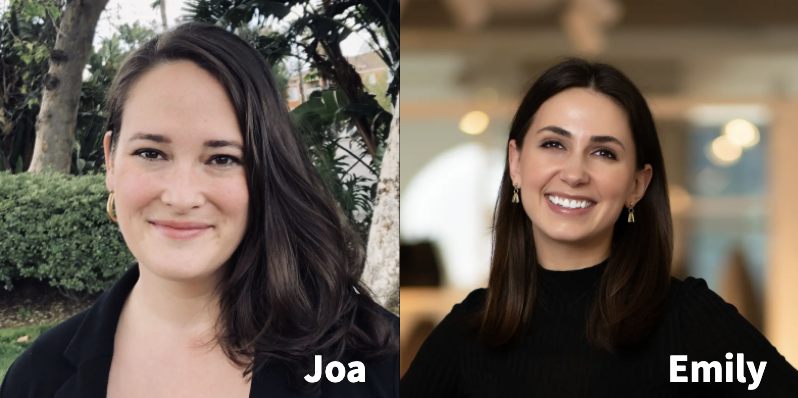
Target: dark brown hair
{"points": [[635, 283], [291, 289]]}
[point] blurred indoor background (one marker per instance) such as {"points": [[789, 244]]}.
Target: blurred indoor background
{"points": [[721, 78]]}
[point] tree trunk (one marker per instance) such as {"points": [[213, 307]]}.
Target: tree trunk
{"points": [[163, 15], [301, 83], [55, 124], [381, 274]]}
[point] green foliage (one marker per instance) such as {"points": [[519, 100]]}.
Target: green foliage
{"points": [[27, 36], [344, 125], [272, 46], [320, 117], [10, 349], [27, 39], [54, 227]]}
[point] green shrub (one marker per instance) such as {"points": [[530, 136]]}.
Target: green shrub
{"points": [[54, 227]]}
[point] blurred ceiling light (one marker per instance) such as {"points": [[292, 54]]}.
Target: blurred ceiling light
{"points": [[474, 122], [723, 151], [680, 199], [742, 133]]}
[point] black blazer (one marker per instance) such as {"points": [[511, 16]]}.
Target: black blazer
{"points": [[73, 359]]}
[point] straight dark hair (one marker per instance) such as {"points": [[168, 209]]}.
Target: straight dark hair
{"points": [[635, 283], [292, 288]]}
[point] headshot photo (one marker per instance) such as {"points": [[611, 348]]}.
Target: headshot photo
{"points": [[593, 200], [245, 265], [581, 279]]}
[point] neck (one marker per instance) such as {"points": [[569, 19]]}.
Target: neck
{"points": [[184, 309], [568, 256]]}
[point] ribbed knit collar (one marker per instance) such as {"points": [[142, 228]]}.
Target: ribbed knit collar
{"points": [[571, 283]]}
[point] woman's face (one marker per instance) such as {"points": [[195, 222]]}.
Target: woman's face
{"points": [[180, 190], [579, 148]]}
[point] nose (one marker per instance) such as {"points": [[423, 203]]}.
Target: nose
{"points": [[183, 188], [573, 171]]}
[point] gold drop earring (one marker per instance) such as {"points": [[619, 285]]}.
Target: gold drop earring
{"points": [[631, 218], [515, 194], [109, 207]]}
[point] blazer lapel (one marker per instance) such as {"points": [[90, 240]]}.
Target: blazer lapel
{"points": [[92, 347], [90, 380], [272, 381]]}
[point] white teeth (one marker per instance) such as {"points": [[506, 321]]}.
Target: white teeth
{"points": [[570, 204]]}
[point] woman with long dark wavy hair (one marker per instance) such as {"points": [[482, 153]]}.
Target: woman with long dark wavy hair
{"points": [[580, 299], [247, 269]]}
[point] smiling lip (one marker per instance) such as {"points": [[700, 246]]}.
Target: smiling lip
{"points": [[566, 196], [566, 211], [180, 230]]}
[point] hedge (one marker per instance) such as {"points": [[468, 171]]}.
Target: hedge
{"points": [[54, 227]]}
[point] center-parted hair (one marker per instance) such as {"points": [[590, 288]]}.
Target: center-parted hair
{"points": [[635, 284], [291, 289]]}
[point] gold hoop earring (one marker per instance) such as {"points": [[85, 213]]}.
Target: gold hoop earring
{"points": [[110, 206], [516, 199], [631, 217]]}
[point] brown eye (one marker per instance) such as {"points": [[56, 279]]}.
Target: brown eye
{"points": [[606, 153], [148, 154], [552, 144], [224, 160]]}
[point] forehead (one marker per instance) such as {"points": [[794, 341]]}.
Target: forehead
{"points": [[584, 111], [182, 101]]}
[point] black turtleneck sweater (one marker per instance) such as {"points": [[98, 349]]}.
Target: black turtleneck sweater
{"points": [[554, 360]]}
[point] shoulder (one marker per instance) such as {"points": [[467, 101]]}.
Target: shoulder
{"points": [[458, 325], [391, 318], [473, 303], [465, 310], [42, 368], [693, 294], [693, 300], [436, 368], [706, 320]]}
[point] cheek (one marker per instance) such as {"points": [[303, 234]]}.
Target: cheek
{"points": [[133, 190], [613, 186], [232, 197], [537, 171]]}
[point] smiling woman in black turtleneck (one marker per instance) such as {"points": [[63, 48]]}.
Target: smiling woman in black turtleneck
{"points": [[580, 300]]}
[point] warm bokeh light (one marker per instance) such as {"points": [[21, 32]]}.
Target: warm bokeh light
{"points": [[474, 122], [724, 152], [742, 133], [680, 199]]}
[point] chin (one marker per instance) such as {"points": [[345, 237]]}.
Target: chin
{"points": [[178, 268], [568, 237], [566, 233]]}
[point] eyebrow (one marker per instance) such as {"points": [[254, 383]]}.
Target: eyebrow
{"points": [[164, 140], [596, 138]]}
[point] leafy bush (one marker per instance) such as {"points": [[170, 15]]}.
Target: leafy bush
{"points": [[54, 227]]}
